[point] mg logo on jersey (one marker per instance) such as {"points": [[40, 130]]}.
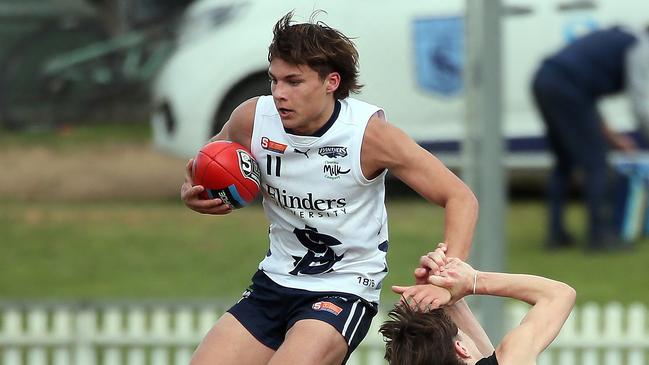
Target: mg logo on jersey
{"points": [[248, 166], [332, 170], [333, 151]]}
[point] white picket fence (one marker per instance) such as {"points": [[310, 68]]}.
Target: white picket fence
{"points": [[167, 333]]}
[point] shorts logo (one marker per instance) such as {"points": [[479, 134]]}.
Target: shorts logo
{"points": [[327, 307], [332, 170], [245, 294], [273, 146], [333, 151]]}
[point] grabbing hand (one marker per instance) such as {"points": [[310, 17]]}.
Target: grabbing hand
{"points": [[431, 264], [625, 143], [423, 297], [190, 195], [458, 277]]}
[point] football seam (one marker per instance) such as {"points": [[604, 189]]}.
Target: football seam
{"points": [[195, 165], [229, 173]]}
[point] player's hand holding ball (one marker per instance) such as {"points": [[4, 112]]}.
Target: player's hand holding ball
{"points": [[223, 176]]}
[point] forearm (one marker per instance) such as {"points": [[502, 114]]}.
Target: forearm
{"points": [[609, 135], [640, 107], [462, 316], [461, 216], [528, 288], [551, 303]]}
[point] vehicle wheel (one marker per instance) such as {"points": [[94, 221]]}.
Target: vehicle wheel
{"points": [[29, 100], [252, 86]]}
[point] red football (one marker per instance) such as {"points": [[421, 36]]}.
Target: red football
{"points": [[227, 171]]}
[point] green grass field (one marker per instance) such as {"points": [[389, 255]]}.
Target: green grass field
{"points": [[79, 137], [163, 250]]}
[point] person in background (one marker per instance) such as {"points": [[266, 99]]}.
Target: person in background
{"points": [[567, 88]]}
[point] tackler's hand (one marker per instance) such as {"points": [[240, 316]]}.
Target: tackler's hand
{"points": [[458, 277], [423, 298], [431, 264]]}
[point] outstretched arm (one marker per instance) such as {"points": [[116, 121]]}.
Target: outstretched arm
{"points": [[618, 140], [551, 303], [387, 147]]}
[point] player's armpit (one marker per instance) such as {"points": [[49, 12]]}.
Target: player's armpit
{"points": [[239, 127]]}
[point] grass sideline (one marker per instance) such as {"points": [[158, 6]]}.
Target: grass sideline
{"points": [[81, 136], [161, 250]]}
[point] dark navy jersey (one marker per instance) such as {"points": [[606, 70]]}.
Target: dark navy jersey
{"points": [[491, 360], [597, 61]]}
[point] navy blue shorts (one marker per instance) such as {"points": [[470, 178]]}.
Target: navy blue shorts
{"points": [[268, 310]]}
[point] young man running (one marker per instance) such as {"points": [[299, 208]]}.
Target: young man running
{"points": [[323, 157]]}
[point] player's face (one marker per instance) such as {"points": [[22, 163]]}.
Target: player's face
{"points": [[304, 100]]}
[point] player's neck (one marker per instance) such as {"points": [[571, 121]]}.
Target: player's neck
{"points": [[321, 122]]}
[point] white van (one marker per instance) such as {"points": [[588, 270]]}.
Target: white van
{"points": [[411, 60]]}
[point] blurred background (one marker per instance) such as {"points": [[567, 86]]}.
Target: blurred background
{"points": [[103, 101]]}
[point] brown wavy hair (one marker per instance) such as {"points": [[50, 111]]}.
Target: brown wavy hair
{"points": [[319, 46], [419, 338]]}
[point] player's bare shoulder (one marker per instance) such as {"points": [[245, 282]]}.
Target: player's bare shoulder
{"points": [[239, 127], [380, 148]]}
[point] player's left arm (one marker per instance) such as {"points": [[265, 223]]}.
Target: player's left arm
{"points": [[551, 303], [238, 129], [387, 147]]}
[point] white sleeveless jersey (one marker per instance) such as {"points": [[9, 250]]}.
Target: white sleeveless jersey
{"points": [[328, 223]]}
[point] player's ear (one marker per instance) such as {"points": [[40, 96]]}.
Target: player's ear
{"points": [[460, 350], [332, 82]]}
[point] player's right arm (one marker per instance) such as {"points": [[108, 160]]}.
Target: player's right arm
{"points": [[466, 321], [388, 147], [237, 129], [551, 303]]}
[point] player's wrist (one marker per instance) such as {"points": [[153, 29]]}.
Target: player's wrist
{"points": [[477, 283], [474, 281]]}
